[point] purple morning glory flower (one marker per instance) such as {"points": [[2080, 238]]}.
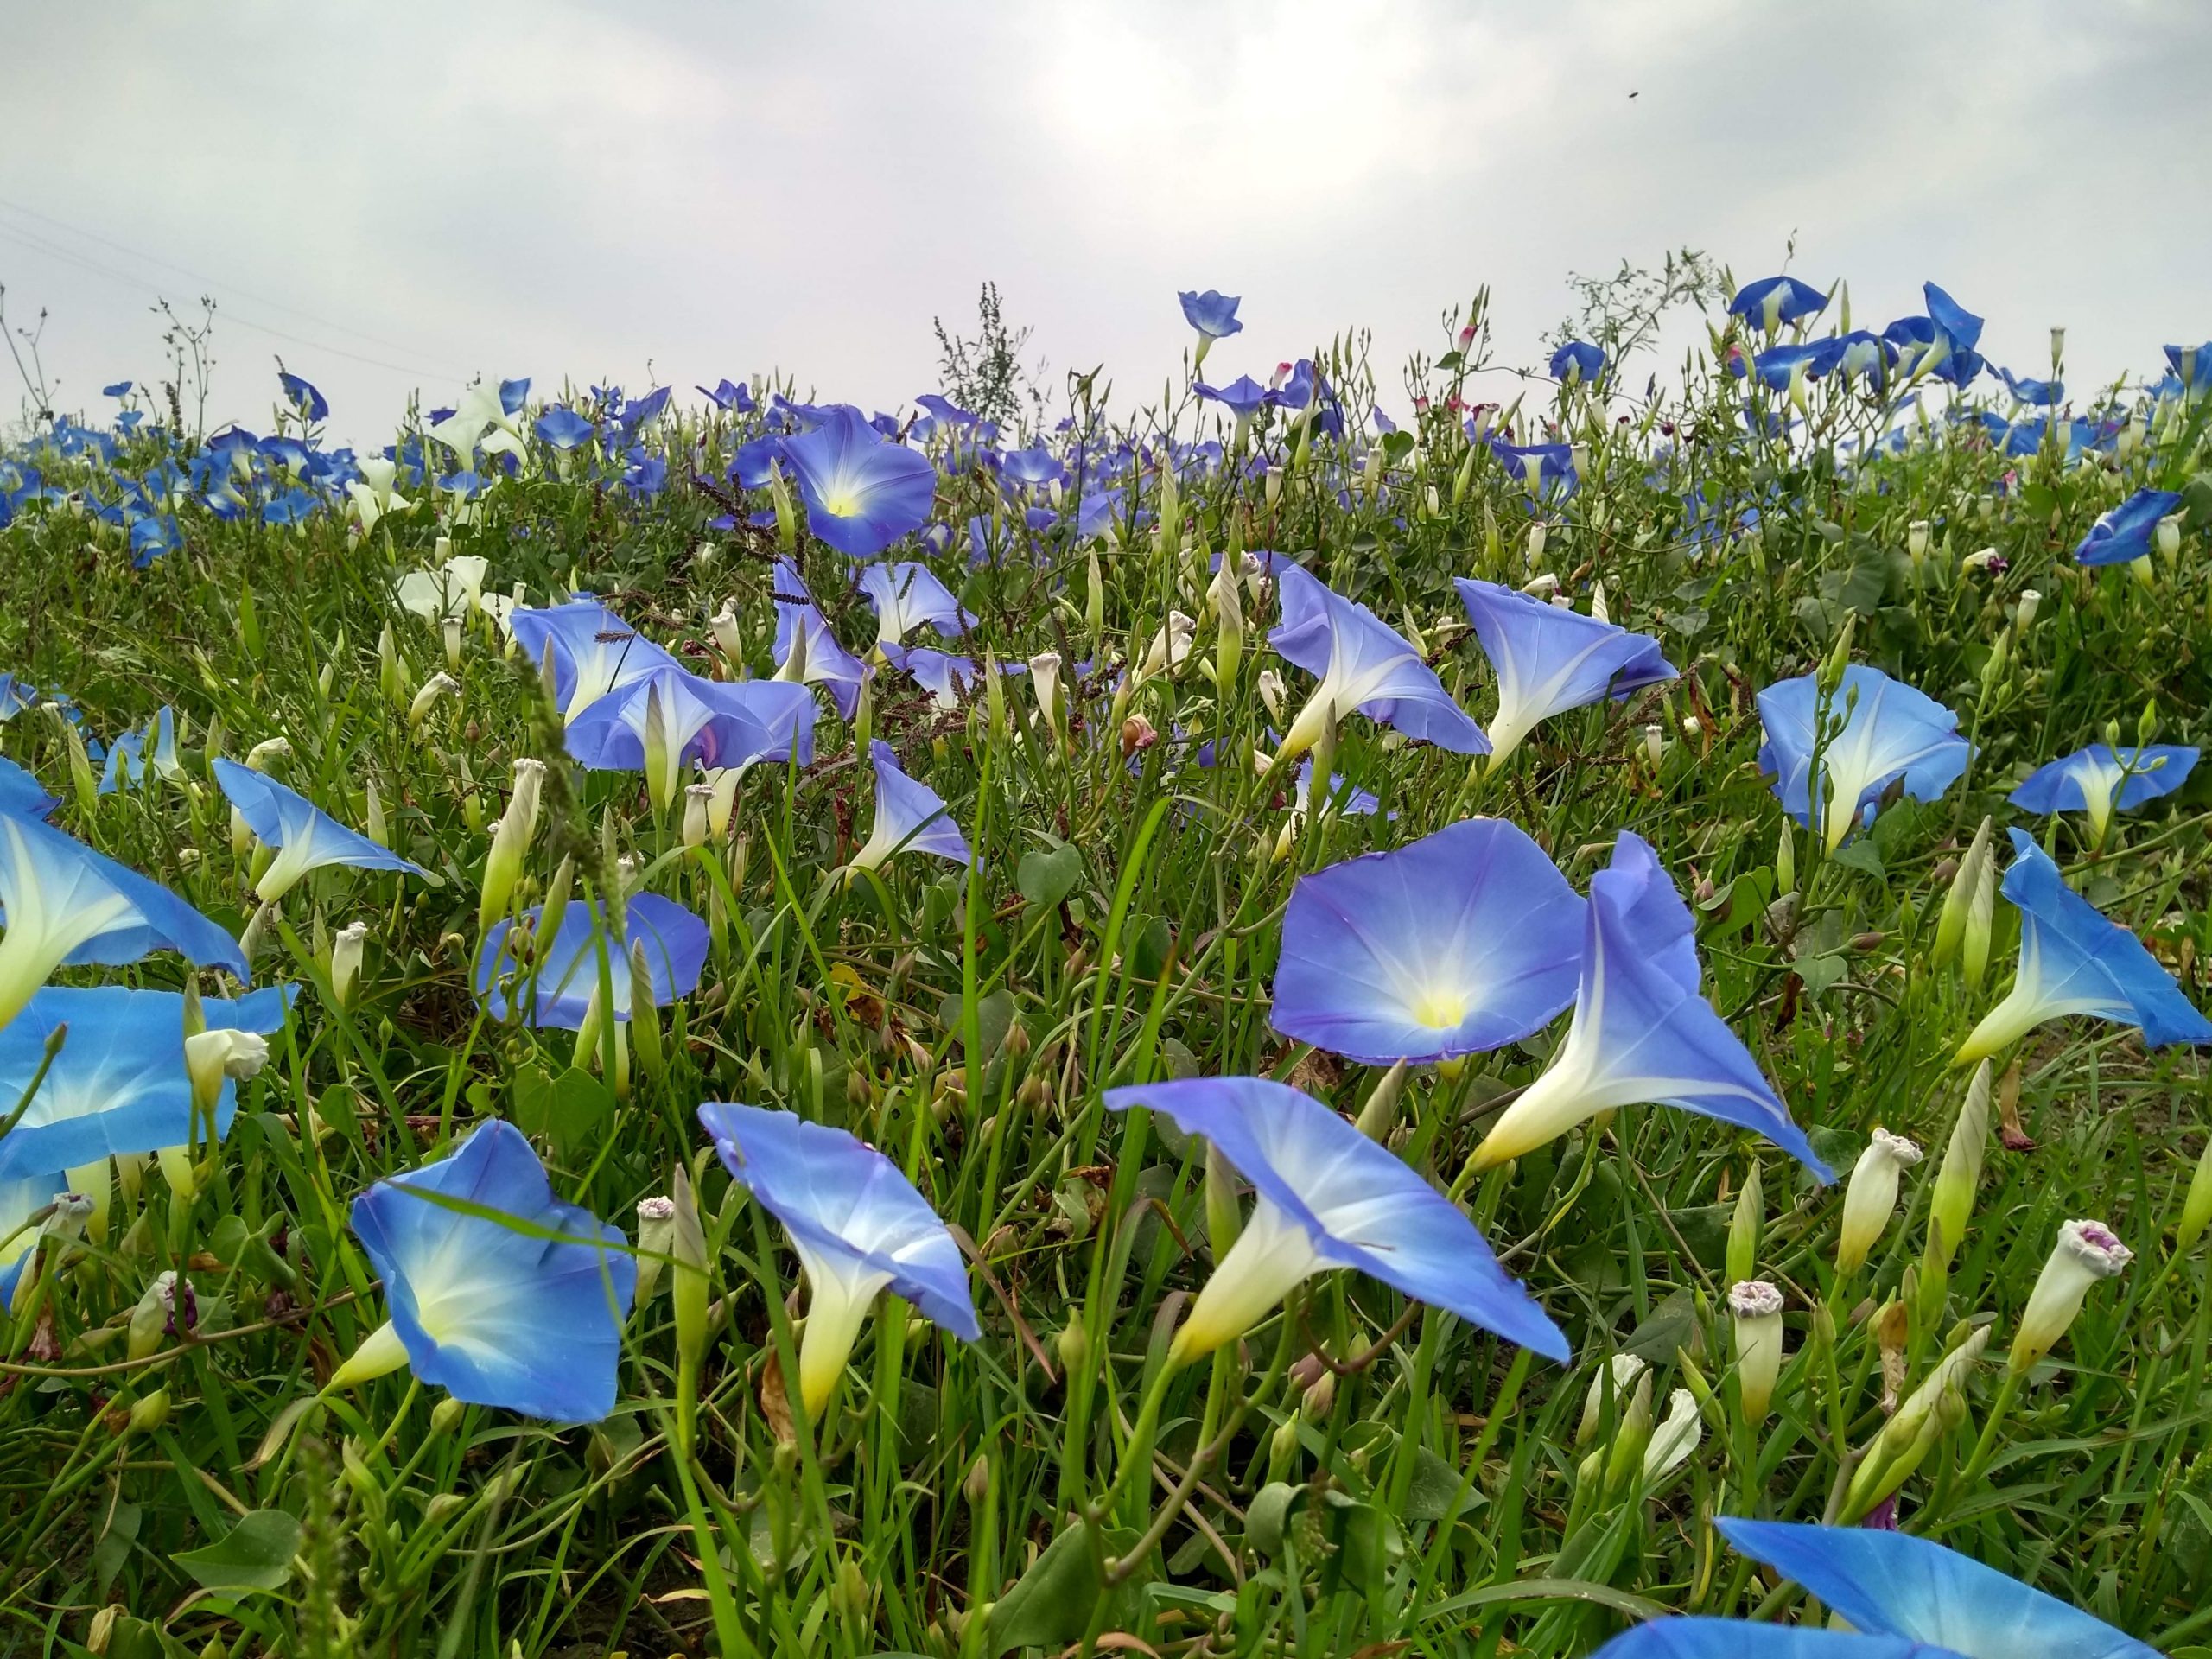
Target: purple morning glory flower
{"points": [[909, 596], [1326, 1196], [1889, 731], [1363, 665], [1549, 659], [1242, 396], [859, 1228], [566, 966], [806, 652], [305, 836], [1212, 313], [594, 651], [909, 817], [20, 792], [862, 492], [1457, 944], [668, 718], [1642, 1031]]}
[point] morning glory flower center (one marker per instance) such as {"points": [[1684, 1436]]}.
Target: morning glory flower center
{"points": [[1440, 1007], [1272, 1255]]}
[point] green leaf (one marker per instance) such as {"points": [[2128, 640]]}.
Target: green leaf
{"points": [[1819, 972], [1267, 1517], [1860, 854], [1052, 1604], [565, 1109], [993, 1015], [114, 1547], [1046, 878], [1435, 1486], [1666, 1329], [255, 1554]]}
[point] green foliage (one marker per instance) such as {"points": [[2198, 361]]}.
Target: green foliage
{"points": [[1393, 1481]]}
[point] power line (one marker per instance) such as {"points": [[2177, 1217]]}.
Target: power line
{"points": [[52, 250], [200, 277]]}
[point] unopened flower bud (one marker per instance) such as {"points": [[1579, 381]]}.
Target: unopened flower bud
{"points": [[1625, 1369], [444, 1417], [656, 1238], [1916, 540], [1045, 683], [345, 948], [1951, 1200], [1756, 1307], [438, 685], [1655, 744], [1674, 1440], [698, 813], [2024, 617], [511, 840], [2196, 1208], [149, 1412], [1871, 1197], [2087, 1252]]}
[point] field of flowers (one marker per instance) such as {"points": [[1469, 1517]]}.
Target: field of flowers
{"points": [[1315, 1018]]}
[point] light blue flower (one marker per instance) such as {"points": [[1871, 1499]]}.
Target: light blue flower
{"points": [[862, 492], [807, 653], [22, 1197], [909, 817], [1773, 301], [909, 596], [1888, 731], [1890, 1584], [941, 674], [1578, 362], [20, 792], [1326, 1196], [64, 904], [522, 1309], [2101, 780], [556, 986], [1545, 470], [1736, 1638], [665, 720], [2074, 960], [1242, 396], [119, 1084], [2039, 394], [594, 651], [563, 428], [1212, 313], [1456, 944], [1549, 659], [305, 836], [1363, 666], [2192, 368], [1643, 1033], [859, 1228], [129, 757], [2123, 535]]}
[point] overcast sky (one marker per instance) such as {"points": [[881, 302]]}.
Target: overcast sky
{"points": [[676, 191]]}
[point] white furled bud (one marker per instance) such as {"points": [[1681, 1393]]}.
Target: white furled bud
{"points": [[1872, 1197], [1756, 1307], [2087, 1253]]}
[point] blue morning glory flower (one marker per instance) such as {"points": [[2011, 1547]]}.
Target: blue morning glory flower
{"points": [[668, 718], [21, 1198], [563, 428], [862, 492], [1773, 301], [127, 760], [310, 404], [730, 398], [858, 1225], [1546, 470], [806, 652], [1700, 1637], [2037, 393], [1326, 1196], [2074, 960], [1363, 665], [1242, 396], [2101, 780], [754, 466], [1213, 314], [1578, 361], [513, 394], [594, 651], [1034, 468], [1862, 354], [1890, 1584], [2123, 535], [909, 816], [495, 1314], [305, 836], [941, 673], [20, 792], [1786, 368], [119, 1086], [120, 389], [1458, 943], [1643, 1033], [1549, 659], [1954, 322], [2192, 367], [64, 904], [1889, 731], [909, 596], [566, 966]]}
